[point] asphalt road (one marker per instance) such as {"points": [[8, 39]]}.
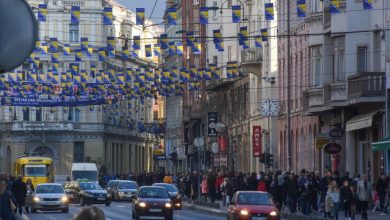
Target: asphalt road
{"points": [[121, 211]]}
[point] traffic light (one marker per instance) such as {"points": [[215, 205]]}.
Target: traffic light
{"points": [[270, 160], [262, 158]]}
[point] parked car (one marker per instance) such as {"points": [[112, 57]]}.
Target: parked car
{"points": [[252, 205], [93, 193], [152, 201], [124, 190], [110, 187], [173, 193], [50, 197]]}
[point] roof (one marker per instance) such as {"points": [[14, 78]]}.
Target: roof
{"points": [[84, 166]]}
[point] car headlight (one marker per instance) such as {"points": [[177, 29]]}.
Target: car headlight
{"points": [[142, 204], [178, 204], [36, 199], [168, 205], [273, 213], [244, 212], [64, 199]]}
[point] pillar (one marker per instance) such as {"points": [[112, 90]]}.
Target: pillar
{"points": [[350, 152]]}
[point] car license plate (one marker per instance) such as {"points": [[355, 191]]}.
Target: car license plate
{"points": [[259, 218], [52, 203], [155, 210], [102, 198]]}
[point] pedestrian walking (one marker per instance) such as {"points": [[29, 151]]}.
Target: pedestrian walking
{"points": [[7, 202], [29, 196], [334, 194], [364, 191], [204, 187], [19, 189], [346, 197], [292, 193], [211, 179], [380, 188]]}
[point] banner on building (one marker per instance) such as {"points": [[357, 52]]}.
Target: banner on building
{"points": [[367, 4], [269, 11], [172, 16], [75, 15], [236, 13], [107, 16], [159, 152], [301, 8], [222, 143], [257, 141], [140, 16], [42, 12], [212, 120], [204, 15]]}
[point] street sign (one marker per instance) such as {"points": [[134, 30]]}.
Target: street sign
{"points": [[256, 141], [333, 148], [216, 160], [220, 127], [19, 32], [214, 147], [335, 133], [223, 160], [212, 121], [199, 142]]}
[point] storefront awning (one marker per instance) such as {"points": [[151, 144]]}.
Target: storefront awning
{"points": [[361, 121], [381, 145]]}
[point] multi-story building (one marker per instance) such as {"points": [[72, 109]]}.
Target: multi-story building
{"points": [[104, 134], [296, 144], [347, 83]]}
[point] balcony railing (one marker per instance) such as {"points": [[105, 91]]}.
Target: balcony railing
{"points": [[251, 55], [366, 84], [251, 61]]}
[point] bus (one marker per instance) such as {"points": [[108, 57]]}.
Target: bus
{"points": [[38, 169]]}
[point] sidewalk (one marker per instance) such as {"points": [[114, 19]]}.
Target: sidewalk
{"points": [[217, 209]]}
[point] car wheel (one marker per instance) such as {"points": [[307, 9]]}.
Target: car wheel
{"points": [[82, 202], [33, 210], [66, 210]]}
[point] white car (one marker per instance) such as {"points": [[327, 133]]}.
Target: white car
{"points": [[50, 197]]}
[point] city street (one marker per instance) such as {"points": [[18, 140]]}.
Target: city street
{"points": [[120, 211]]}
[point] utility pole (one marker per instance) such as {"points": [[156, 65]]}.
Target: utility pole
{"points": [[288, 88]]}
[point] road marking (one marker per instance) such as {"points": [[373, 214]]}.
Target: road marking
{"points": [[50, 217]]}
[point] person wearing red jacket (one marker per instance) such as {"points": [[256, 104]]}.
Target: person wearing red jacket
{"points": [[218, 184], [262, 186]]}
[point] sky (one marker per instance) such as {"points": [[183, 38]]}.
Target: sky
{"points": [[148, 5]]}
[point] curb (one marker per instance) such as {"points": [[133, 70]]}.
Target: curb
{"points": [[205, 209], [300, 217]]}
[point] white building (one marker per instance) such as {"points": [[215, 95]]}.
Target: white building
{"points": [[97, 134]]}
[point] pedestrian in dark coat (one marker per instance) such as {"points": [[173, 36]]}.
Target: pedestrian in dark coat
{"points": [[211, 179], [19, 189], [252, 182], [6, 197], [292, 193]]}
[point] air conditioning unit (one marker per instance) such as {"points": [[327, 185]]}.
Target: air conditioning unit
{"points": [[196, 2]]}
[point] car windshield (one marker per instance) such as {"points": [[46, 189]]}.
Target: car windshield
{"points": [[90, 186], [153, 192], [127, 185], [111, 183], [169, 187], [49, 189], [35, 170], [253, 199], [82, 174]]}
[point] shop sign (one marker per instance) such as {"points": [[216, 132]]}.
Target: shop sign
{"points": [[256, 141], [335, 133], [320, 143], [212, 120], [332, 148], [223, 160], [216, 160]]}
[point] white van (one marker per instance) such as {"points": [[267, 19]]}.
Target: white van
{"points": [[85, 171]]}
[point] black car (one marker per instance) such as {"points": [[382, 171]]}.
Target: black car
{"points": [[93, 193], [173, 193], [153, 201]]}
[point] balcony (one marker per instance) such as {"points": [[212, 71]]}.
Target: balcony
{"points": [[251, 61], [214, 85], [338, 93], [192, 111], [366, 87], [314, 100]]}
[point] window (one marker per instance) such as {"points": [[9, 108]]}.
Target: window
{"points": [[215, 60], [78, 152], [229, 53], [215, 5], [316, 65], [70, 114], [38, 114], [229, 3], [74, 35], [339, 59], [77, 115], [316, 6], [26, 114], [155, 115], [362, 59]]}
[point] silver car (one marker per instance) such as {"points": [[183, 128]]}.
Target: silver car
{"points": [[50, 197], [125, 190]]}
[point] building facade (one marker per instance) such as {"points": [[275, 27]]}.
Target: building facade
{"points": [[104, 134]]}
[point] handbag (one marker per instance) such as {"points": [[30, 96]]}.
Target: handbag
{"points": [[13, 206]]}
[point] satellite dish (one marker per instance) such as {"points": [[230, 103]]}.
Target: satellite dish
{"points": [[19, 32]]}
